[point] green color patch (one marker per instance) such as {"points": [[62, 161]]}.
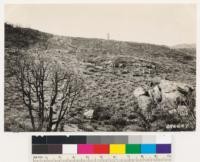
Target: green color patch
{"points": [[133, 148]]}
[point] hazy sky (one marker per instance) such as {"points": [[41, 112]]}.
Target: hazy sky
{"points": [[167, 24]]}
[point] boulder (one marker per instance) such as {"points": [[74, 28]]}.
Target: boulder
{"points": [[155, 80], [139, 91], [170, 86], [88, 114], [145, 103], [167, 86], [172, 99], [144, 100], [174, 93]]}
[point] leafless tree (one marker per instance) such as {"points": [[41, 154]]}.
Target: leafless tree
{"points": [[48, 90]]}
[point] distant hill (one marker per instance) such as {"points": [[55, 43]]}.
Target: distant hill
{"points": [[186, 48], [178, 46], [26, 38]]}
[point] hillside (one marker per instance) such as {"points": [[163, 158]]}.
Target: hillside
{"points": [[184, 46], [111, 69], [189, 49]]}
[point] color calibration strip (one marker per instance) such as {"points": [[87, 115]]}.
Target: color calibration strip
{"points": [[101, 145]]}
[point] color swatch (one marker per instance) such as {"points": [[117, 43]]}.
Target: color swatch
{"points": [[133, 148], [101, 145], [117, 149], [148, 148]]}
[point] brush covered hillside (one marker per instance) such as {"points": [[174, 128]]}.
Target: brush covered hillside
{"points": [[112, 71]]}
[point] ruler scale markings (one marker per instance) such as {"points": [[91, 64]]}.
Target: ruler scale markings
{"points": [[97, 157]]}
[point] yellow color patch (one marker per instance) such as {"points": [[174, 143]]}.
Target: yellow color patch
{"points": [[117, 149]]}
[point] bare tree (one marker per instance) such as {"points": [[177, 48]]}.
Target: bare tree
{"points": [[66, 89], [48, 91]]}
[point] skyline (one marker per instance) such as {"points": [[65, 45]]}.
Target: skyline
{"points": [[151, 23]]}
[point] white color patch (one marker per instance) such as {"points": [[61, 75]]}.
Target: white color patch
{"points": [[163, 139], [69, 149]]}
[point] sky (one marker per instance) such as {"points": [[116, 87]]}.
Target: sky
{"points": [[167, 24]]}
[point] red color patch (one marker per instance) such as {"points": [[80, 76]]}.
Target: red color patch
{"points": [[101, 149]]}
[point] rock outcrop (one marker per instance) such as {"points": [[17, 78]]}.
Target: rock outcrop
{"points": [[174, 93], [169, 93]]}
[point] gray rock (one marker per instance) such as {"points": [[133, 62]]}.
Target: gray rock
{"points": [[174, 93], [167, 86], [172, 99], [170, 86], [139, 91], [88, 114], [144, 103], [144, 99]]}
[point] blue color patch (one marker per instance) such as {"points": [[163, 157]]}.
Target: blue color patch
{"points": [[148, 149]]}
